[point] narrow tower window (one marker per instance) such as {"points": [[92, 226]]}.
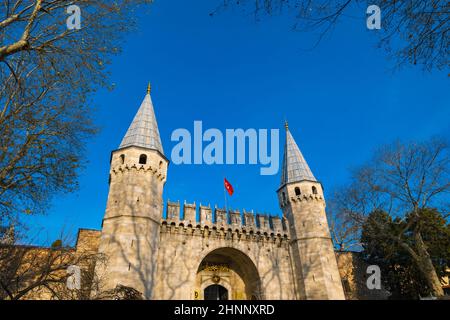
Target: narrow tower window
{"points": [[297, 191], [122, 158], [314, 190], [284, 196], [142, 159]]}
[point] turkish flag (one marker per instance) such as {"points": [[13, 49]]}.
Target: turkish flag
{"points": [[229, 187]]}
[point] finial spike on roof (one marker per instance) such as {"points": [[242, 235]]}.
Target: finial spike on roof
{"points": [[149, 88], [143, 131]]}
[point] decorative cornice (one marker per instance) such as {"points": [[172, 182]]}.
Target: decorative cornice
{"points": [[216, 232], [139, 169]]}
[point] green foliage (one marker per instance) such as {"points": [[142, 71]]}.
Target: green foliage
{"points": [[400, 274], [57, 244]]}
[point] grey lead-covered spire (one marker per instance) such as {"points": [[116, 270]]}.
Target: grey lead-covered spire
{"points": [[143, 131], [295, 168]]}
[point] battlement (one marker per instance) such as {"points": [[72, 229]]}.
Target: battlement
{"points": [[219, 218], [139, 168]]}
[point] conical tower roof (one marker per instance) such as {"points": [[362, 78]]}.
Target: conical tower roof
{"points": [[295, 168], [143, 131]]}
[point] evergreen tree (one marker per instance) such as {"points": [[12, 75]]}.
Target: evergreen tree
{"points": [[399, 273]]}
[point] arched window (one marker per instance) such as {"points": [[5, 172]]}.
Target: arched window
{"points": [[160, 164], [142, 159], [314, 190], [122, 158], [297, 191]]}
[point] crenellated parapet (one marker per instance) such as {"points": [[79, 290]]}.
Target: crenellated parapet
{"points": [[140, 162], [235, 218], [206, 216], [220, 217], [139, 169], [217, 218], [173, 211], [307, 197], [189, 214], [297, 197]]}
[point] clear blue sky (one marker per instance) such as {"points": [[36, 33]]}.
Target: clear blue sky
{"points": [[230, 71]]}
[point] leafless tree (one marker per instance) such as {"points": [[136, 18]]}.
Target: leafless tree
{"points": [[32, 272], [124, 293], [29, 272], [401, 180], [47, 75], [344, 230], [412, 31]]}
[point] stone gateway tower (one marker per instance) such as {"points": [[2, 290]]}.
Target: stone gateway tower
{"points": [[192, 251], [131, 226], [303, 204]]}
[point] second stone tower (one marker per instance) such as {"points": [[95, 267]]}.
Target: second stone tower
{"points": [[301, 199]]}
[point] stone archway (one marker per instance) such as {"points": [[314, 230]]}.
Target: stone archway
{"points": [[233, 270]]}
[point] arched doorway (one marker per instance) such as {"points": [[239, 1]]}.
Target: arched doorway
{"points": [[215, 292], [230, 271]]}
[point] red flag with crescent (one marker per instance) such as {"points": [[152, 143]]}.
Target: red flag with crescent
{"points": [[228, 186]]}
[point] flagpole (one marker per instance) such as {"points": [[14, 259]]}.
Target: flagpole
{"points": [[225, 198]]}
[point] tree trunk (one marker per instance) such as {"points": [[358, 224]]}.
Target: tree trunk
{"points": [[426, 266]]}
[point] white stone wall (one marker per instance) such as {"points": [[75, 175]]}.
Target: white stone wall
{"points": [[182, 249]]}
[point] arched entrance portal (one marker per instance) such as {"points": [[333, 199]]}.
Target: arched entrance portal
{"points": [[215, 292], [230, 272]]}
